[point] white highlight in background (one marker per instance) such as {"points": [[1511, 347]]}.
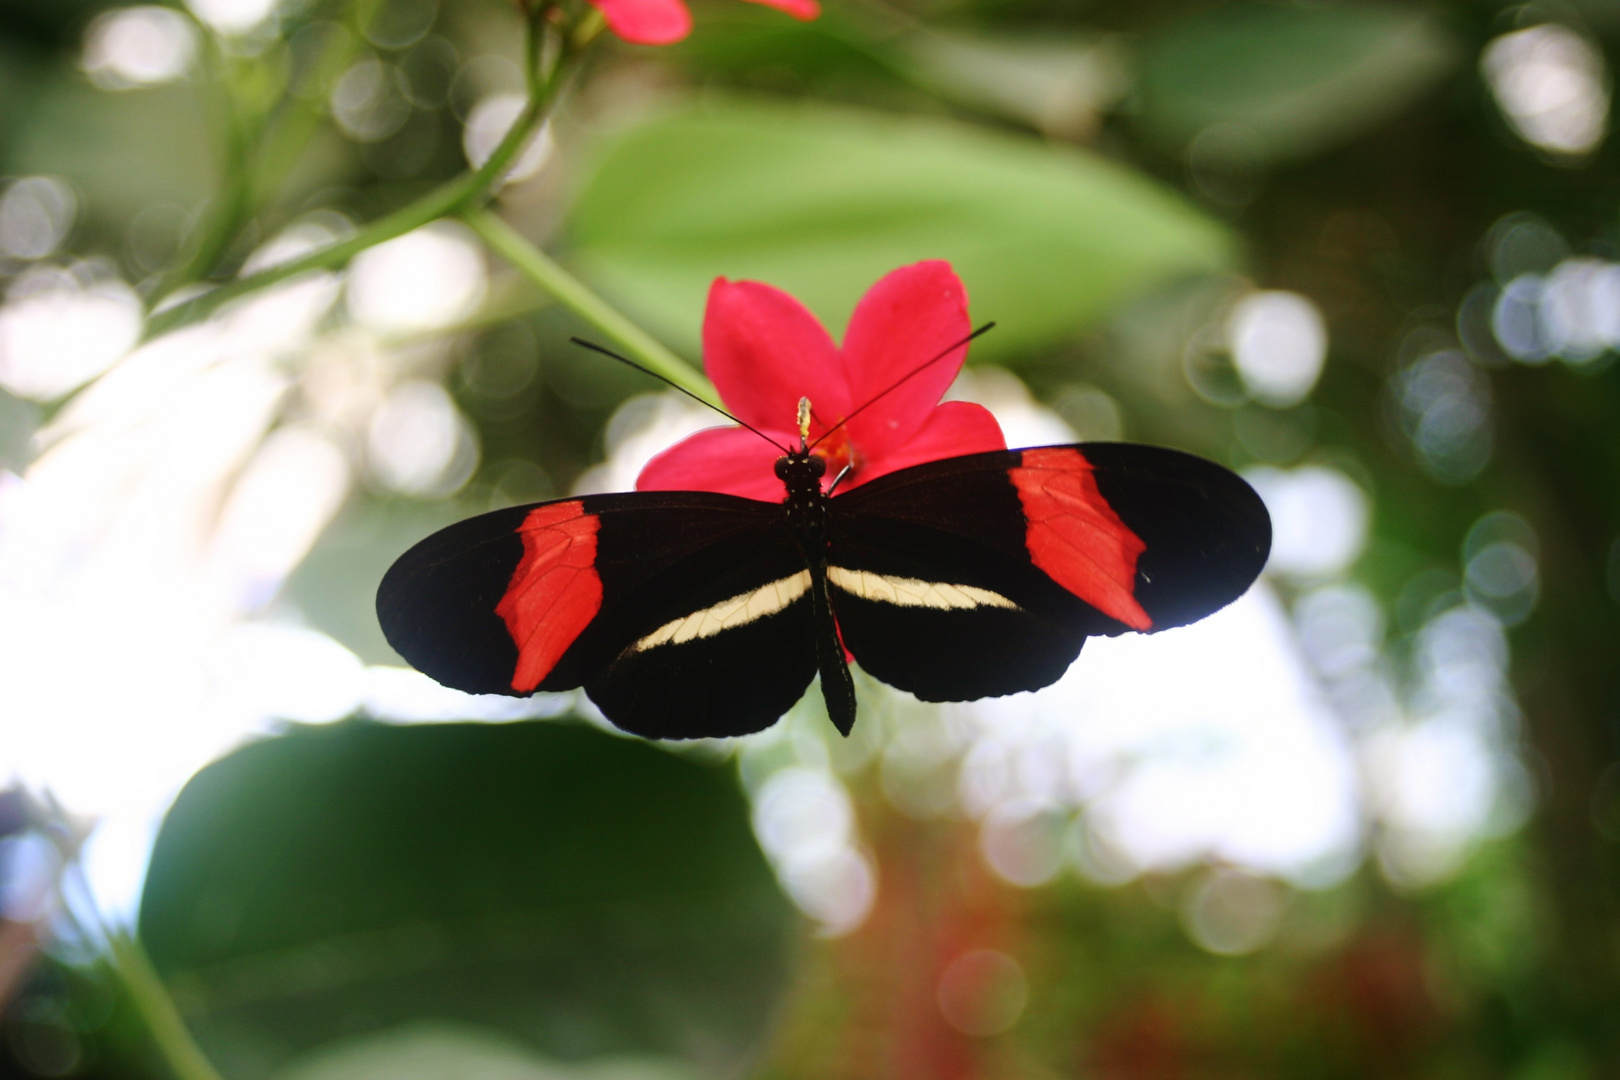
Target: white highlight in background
{"points": [[418, 443], [1319, 519], [805, 824], [1237, 758], [1551, 85], [232, 17], [138, 46], [488, 124], [36, 213], [1278, 343], [425, 280], [59, 330], [288, 493]]}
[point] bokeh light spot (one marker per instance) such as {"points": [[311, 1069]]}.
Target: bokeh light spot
{"points": [[137, 46], [1444, 404], [1319, 519], [59, 330], [1231, 914], [983, 992], [1341, 628], [1278, 343], [425, 280], [369, 102], [488, 124], [418, 443], [806, 825], [232, 17], [1550, 82], [1024, 845], [36, 213]]}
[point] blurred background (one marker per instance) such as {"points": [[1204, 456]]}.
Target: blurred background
{"points": [[1362, 823]]}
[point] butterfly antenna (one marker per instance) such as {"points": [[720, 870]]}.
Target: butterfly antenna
{"points": [[907, 377], [591, 345]]}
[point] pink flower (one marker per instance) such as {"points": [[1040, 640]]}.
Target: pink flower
{"points": [[764, 352], [664, 22]]}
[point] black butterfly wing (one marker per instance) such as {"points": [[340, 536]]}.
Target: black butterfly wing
{"points": [[1206, 532], [982, 575], [641, 598]]}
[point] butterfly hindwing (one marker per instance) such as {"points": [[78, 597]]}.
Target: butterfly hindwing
{"points": [[716, 642], [945, 615]]}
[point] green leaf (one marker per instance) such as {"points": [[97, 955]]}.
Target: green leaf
{"points": [[1059, 83], [435, 1050], [582, 894], [1298, 78], [822, 202]]}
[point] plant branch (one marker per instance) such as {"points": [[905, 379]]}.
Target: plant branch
{"points": [[543, 271], [261, 144], [453, 197], [157, 1008]]}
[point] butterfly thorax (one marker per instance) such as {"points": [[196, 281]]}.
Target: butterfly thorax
{"points": [[805, 506]]}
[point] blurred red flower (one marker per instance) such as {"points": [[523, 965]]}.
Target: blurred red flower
{"points": [[764, 351], [664, 22]]}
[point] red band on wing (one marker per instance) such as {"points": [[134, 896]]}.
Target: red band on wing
{"points": [[1075, 536], [555, 591]]}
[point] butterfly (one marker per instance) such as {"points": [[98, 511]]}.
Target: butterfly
{"points": [[692, 614]]}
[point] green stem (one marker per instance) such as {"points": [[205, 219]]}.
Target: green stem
{"points": [[259, 151], [157, 1008], [459, 194], [542, 270], [292, 123], [219, 218]]}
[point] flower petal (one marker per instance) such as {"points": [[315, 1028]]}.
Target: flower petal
{"points": [[799, 9], [952, 429], [901, 323], [764, 352], [732, 460], [647, 22]]}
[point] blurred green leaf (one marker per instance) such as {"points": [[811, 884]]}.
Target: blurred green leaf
{"points": [[20, 73], [584, 894], [822, 202], [1059, 83], [434, 1050], [1298, 78], [754, 45], [158, 137]]}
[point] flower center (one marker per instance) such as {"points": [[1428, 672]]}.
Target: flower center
{"points": [[838, 452], [835, 449]]}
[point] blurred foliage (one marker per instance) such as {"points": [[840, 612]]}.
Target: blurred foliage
{"points": [[823, 203], [364, 901], [588, 895], [1295, 80]]}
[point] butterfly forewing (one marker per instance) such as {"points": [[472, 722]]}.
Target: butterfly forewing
{"points": [[943, 603], [1068, 542], [583, 591], [1205, 532]]}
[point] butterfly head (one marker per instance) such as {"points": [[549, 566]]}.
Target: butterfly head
{"points": [[800, 469]]}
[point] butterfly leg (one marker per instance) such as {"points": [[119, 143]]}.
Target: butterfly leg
{"points": [[837, 688]]}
